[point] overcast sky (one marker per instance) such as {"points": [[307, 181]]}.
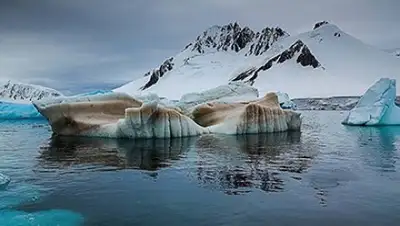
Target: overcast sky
{"points": [[87, 44]]}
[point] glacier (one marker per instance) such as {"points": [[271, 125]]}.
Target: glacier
{"points": [[377, 106]]}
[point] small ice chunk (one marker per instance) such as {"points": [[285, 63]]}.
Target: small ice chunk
{"points": [[4, 181]]}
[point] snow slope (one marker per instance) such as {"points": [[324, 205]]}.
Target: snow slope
{"points": [[349, 66], [323, 62], [24, 93], [206, 62]]}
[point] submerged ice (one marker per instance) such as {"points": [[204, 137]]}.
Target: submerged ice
{"points": [[48, 217], [377, 106], [19, 193]]}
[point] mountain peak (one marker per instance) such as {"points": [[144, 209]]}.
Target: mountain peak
{"points": [[232, 37], [319, 24]]}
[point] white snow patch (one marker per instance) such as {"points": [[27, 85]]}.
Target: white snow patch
{"points": [[232, 91]]}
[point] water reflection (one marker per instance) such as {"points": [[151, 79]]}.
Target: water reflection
{"points": [[232, 164], [138, 154], [378, 146], [237, 164]]}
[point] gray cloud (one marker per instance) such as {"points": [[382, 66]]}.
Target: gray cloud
{"points": [[101, 43]]}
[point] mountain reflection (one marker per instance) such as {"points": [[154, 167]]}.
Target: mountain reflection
{"points": [[236, 164]]}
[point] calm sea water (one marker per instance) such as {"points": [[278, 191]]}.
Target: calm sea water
{"points": [[328, 174]]}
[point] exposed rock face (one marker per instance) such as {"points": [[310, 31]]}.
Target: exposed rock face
{"points": [[306, 58], [230, 37], [233, 37], [298, 49], [158, 73], [264, 40], [319, 24], [26, 92]]}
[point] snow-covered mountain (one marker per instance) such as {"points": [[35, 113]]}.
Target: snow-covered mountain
{"points": [[323, 62], [19, 92]]}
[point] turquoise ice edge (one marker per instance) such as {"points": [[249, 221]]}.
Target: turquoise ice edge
{"points": [[18, 111]]}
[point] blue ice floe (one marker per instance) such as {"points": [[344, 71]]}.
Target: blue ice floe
{"points": [[377, 106], [18, 111]]}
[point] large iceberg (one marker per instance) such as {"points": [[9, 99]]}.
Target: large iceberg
{"points": [[118, 115], [377, 106]]}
